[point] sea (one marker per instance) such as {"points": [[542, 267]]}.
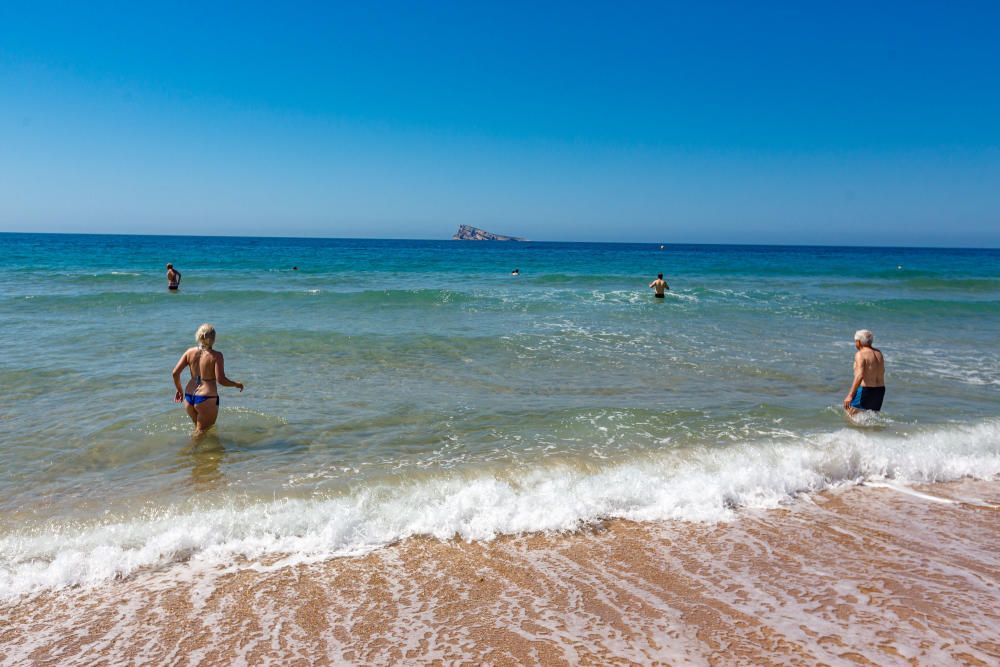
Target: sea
{"points": [[401, 389]]}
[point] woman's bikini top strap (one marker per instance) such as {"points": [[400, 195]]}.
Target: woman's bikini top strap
{"points": [[198, 379]]}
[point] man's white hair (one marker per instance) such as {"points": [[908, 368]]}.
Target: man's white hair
{"points": [[864, 336]]}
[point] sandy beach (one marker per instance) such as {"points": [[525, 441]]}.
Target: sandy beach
{"points": [[867, 575]]}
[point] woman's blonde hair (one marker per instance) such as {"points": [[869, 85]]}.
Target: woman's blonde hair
{"points": [[205, 335]]}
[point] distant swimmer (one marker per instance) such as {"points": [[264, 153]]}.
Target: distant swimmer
{"points": [[201, 395], [868, 388], [659, 285], [515, 272], [173, 277]]}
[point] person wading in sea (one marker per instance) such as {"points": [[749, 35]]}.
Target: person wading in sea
{"points": [[201, 396], [659, 285], [868, 388], [173, 277]]}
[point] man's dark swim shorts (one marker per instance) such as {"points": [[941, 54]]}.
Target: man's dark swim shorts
{"points": [[869, 398]]}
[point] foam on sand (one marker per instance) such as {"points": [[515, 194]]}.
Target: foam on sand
{"points": [[705, 484], [857, 576]]}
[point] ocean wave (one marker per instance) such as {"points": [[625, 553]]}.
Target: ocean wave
{"points": [[706, 483], [499, 299], [90, 277], [580, 280], [928, 283], [290, 294], [899, 306]]}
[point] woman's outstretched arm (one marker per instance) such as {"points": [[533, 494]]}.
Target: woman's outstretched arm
{"points": [[220, 374]]}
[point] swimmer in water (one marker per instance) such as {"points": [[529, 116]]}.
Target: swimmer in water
{"points": [[515, 272], [659, 285], [201, 395], [868, 388], [173, 277]]}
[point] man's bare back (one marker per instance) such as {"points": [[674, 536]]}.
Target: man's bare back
{"points": [[869, 362], [659, 285]]}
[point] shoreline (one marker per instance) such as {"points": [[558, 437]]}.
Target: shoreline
{"points": [[863, 575]]}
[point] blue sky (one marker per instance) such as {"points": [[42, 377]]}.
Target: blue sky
{"points": [[844, 123]]}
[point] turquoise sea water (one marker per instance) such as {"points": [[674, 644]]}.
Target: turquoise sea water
{"points": [[415, 387]]}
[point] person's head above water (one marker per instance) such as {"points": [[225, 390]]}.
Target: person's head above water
{"points": [[205, 335], [170, 266], [660, 276], [864, 337]]}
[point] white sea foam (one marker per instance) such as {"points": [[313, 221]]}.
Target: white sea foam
{"points": [[698, 484], [981, 368]]}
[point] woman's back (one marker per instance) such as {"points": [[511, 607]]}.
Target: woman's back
{"points": [[202, 364]]}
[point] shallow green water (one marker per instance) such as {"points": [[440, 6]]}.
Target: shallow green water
{"points": [[387, 365]]}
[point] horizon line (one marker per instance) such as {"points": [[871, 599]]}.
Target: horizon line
{"points": [[525, 241]]}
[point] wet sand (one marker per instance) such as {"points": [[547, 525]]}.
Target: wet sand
{"points": [[868, 576]]}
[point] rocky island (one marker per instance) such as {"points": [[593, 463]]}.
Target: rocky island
{"points": [[470, 233]]}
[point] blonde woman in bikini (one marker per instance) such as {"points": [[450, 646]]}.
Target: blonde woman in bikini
{"points": [[201, 395]]}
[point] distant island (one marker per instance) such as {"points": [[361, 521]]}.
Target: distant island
{"points": [[470, 233]]}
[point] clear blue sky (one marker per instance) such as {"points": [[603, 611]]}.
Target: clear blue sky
{"points": [[871, 123]]}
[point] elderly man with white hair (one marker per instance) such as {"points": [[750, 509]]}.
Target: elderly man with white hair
{"points": [[868, 388]]}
